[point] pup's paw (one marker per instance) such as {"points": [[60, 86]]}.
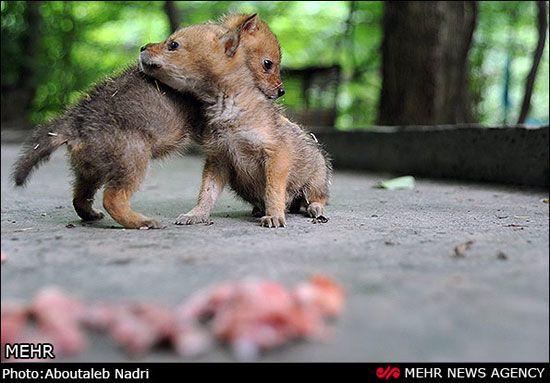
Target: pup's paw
{"points": [[315, 210], [149, 224], [191, 219], [86, 212], [277, 220], [93, 215]]}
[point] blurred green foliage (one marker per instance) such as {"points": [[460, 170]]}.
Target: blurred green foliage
{"points": [[83, 41], [507, 31]]}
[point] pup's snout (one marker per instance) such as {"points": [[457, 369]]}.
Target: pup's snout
{"points": [[144, 48], [147, 59], [280, 91]]}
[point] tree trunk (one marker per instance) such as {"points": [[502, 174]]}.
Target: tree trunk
{"points": [[67, 41], [530, 83], [424, 67], [173, 14], [464, 112], [17, 100]]}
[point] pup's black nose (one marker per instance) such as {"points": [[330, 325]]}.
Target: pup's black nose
{"points": [[281, 91], [143, 48]]}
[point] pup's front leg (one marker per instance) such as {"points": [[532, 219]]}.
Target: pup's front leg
{"points": [[214, 178], [277, 168]]}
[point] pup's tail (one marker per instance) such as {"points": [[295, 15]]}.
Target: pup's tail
{"points": [[38, 148]]}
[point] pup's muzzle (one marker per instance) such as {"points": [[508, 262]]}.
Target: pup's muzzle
{"points": [[147, 61]]}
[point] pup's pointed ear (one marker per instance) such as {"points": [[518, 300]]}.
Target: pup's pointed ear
{"points": [[250, 24], [230, 42], [231, 39]]}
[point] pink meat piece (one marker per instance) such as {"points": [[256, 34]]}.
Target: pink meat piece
{"points": [[34, 335], [206, 303], [132, 332], [139, 328], [58, 316], [255, 315], [190, 340], [263, 315], [3, 257], [250, 315], [100, 317], [159, 318], [323, 294], [13, 319]]}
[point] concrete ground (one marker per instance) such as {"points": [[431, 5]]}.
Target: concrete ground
{"points": [[408, 297]]}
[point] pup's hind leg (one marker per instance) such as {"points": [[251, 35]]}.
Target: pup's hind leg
{"points": [[83, 197], [317, 193], [121, 187], [316, 207], [117, 203]]}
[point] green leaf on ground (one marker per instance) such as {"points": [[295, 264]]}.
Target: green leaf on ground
{"points": [[405, 182]]}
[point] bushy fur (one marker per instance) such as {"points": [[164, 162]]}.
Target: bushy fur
{"points": [[114, 131], [266, 159]]}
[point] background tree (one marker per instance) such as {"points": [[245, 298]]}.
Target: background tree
{"points": [[542, 27], [424, 64], [74, 44], [174, 15], [22, 45]]}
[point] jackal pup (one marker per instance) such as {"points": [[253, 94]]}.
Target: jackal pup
{"points": [[113, 132], [267, 160]]}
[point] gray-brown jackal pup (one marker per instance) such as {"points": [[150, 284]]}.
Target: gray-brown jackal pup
{"points": [[267, 160], [113, 132]]}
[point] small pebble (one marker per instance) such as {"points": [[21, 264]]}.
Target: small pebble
{"points": [[502, 256]]}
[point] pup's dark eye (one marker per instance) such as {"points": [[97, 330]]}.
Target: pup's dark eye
{"points": [[173, 46], [268, 64]]}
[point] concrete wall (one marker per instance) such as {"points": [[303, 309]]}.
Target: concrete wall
{"points": [[512, 155], [516, 154]]}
